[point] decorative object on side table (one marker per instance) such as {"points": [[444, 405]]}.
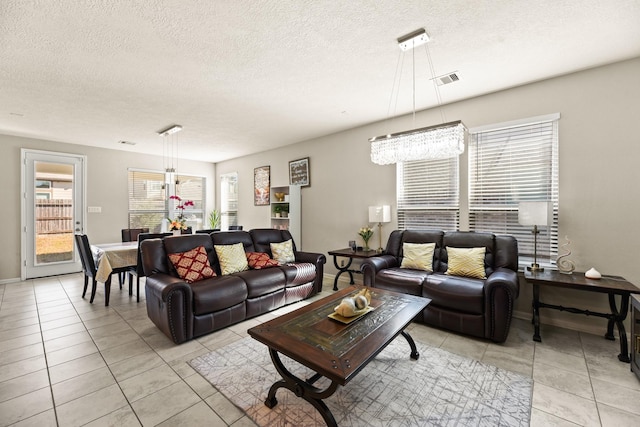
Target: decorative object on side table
{"points": [[565, 266], [592, 273], [380, 214], [365, 233], [179, 223], [536, 214]]}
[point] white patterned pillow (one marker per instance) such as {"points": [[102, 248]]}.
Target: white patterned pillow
{"points": [[232, 258], [466, 262], [283, 252], [418, 256]]}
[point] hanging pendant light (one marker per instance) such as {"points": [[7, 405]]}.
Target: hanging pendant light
{"points": [[170, 152], [432, 142]]}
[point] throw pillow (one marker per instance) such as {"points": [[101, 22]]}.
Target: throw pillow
{"points": [[192, 265], [418, 256], [466, 262], [232, 258], [260, 260], [283, 252]]}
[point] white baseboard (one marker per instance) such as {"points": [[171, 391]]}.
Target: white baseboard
{"points": [[5, 281]]}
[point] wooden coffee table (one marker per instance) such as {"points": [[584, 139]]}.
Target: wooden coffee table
{"points": [[332, 349]]}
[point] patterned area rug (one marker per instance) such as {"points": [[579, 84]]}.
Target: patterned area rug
{"points": [[440, 389]]}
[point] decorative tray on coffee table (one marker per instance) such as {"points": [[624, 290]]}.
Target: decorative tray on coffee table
{"points": [[347, 320]]}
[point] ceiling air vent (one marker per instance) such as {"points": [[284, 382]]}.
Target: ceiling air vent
{"points": [[445, 79], [126, 143]]}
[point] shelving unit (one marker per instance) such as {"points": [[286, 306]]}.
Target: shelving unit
{"points": [[292, 205]]}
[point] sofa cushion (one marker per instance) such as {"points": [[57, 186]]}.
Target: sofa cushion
{"points": [[462, 294], [418, 256], [262, 282], [232, 258], [401, 280], [217, 293], [466, 262], [192, 265], [283, 252], [260, 260]]}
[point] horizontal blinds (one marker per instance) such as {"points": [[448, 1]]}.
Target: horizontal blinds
{"points": [[191, 188], [510, 165], [147, 199], [428, 194]]}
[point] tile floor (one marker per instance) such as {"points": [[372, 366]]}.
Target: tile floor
{"points": [[66, 362]]}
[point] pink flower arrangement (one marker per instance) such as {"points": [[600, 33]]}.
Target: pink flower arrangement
{"points": [[179, 223]]}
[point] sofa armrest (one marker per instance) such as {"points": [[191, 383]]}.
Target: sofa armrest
{"points": [[319, 261], [371, 266], [501, 290], [170, 306]]}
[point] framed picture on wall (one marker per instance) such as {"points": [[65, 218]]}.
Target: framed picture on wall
{"points": [[261, 185], [299, 172]]}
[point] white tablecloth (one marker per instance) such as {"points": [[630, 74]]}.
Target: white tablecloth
{"points": [[109, 256]]}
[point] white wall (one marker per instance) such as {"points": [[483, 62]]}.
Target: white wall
{"points": [[599, 151], [106, 187]]}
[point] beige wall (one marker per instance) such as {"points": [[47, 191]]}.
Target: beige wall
{"points": [[106, 187], [599, 152]]}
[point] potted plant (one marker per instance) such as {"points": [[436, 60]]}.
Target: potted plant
{"points": [[285, 211], [214, 219], [277, 210]]}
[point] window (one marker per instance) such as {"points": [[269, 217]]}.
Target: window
{"points": [[147, 200], [510, 163], [428, 194], [191, 188], [507, 163], [228, 200]]}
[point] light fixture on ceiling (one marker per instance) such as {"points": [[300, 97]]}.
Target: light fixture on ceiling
{"points": [[170, 151], [432, 142]]}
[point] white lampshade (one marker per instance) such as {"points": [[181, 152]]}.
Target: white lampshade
{"points": [[535, 213], [380, 213]]}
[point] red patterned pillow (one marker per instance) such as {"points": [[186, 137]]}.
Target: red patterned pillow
{"points": [[192, 265], [260, 260]]}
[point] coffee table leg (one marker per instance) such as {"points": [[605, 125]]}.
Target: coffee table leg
{"points": [[301, 389], [414, 350]]}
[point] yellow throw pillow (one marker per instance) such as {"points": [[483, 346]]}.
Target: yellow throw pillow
{"points": [[232, 258], [283, 252], [418, 256], [466, 262]]}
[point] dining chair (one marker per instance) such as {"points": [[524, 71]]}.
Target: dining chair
{"points": [[235, 227], [90, 269], [138, 271], [130, 235], [88, 264]]}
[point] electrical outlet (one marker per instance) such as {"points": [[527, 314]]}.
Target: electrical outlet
{"points": [[94, 209]]}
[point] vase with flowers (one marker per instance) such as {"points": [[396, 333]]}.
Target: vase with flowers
{"points": [[365, 233], [179, 223]]}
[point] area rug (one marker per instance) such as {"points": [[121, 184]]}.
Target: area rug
{"points": [[439, 389]]}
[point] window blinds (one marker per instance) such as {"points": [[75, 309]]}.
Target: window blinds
{"points": [[510, 164], [147, 205], [428, 194]]}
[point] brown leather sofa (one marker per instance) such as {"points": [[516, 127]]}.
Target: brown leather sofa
{"points": [[184, 311], [482, 308]]}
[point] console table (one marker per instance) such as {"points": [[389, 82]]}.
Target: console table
{"points": [[610, 285], [351, 254]]}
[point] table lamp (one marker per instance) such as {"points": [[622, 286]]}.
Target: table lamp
{"points": [[536, 214], [380, 214]]}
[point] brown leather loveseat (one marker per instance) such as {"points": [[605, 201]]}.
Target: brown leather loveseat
{"points": [[187, 310], [472, 306]]}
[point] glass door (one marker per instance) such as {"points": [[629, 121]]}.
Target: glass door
{"points": [[52, 212]]}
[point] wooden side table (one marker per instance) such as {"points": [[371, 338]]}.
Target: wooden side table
{"points": [[610, 285], [351, 254]]}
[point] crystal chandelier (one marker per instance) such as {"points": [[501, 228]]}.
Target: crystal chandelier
{"points": [[432, 142]]}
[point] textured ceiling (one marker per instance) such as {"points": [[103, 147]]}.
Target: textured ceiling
{"points": [[243, 76]]}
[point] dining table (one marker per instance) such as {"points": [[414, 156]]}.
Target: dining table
{"points": [[113, 258]]}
